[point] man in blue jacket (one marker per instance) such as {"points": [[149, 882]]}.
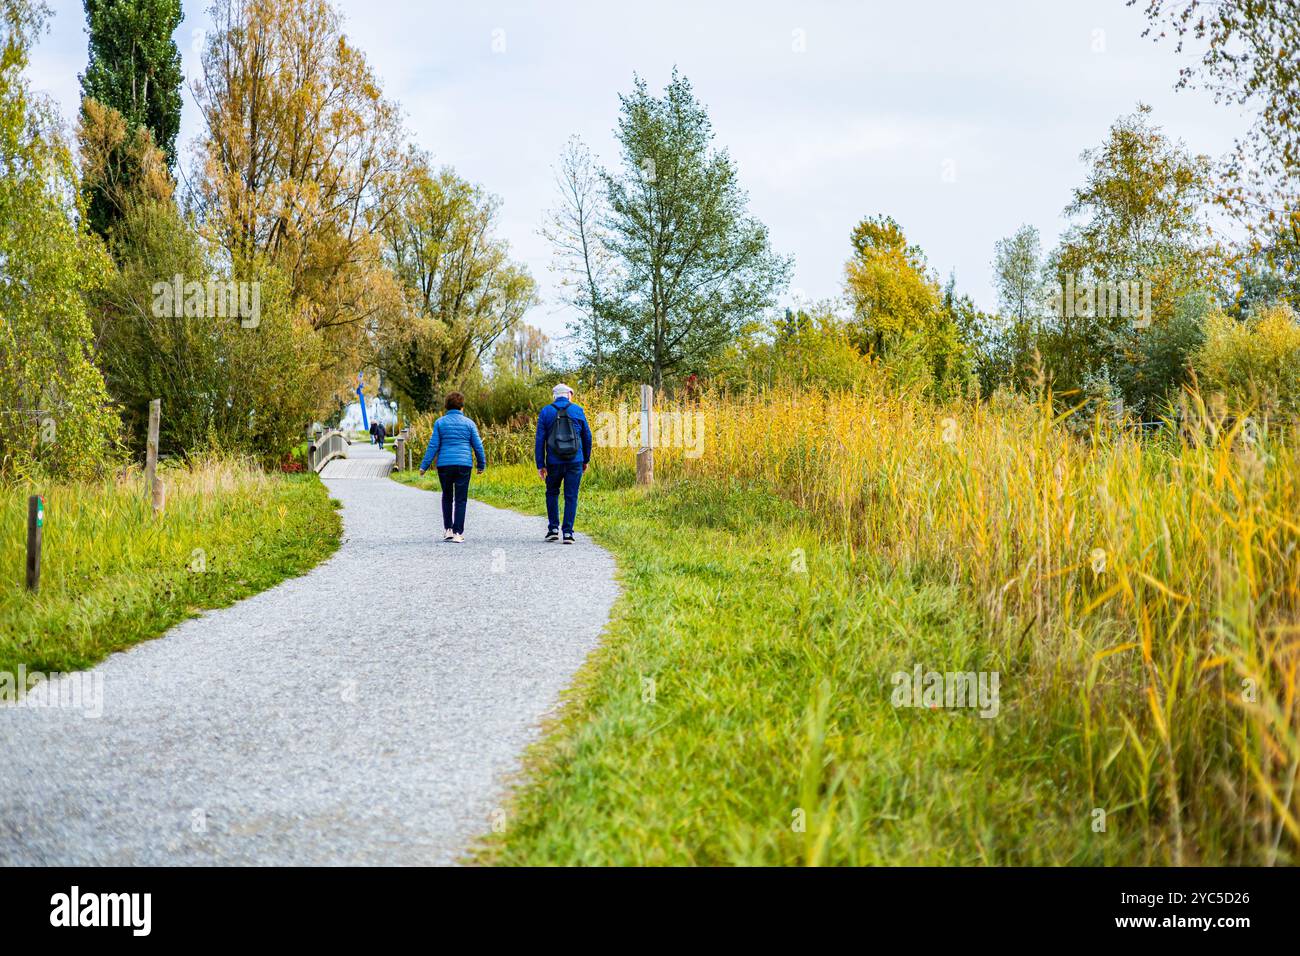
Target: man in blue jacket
{"points": [[562, 450]]}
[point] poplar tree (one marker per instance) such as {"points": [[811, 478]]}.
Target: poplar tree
{"points": [[135, 66]]}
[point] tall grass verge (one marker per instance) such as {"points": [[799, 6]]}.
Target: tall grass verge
{"points": [[1139, 595], [114, 574]]}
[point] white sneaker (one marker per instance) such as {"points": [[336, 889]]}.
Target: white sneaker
{"points": [[446, 534], [458, 538]]}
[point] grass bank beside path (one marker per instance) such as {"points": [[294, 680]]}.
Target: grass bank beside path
{"points": [[113, 575], [739, 710]]}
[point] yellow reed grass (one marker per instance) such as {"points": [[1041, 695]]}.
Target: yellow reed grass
{"points": [[1145, 589]]}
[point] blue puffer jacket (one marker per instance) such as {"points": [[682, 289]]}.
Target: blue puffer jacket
{"points": [[546, 421], [454, 441]]}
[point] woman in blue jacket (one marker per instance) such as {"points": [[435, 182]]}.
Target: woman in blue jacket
{"points": [[456, 446]]}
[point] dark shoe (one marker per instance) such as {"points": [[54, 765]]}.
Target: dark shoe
{"points": [[568, 538], [552, 535]]}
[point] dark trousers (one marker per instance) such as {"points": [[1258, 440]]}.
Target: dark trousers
{"points": [[455, 489], [570, 476]]}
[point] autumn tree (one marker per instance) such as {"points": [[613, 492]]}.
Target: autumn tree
{"points": [[1140, 212], [899, 315], [301, 154], [1139, 218], [888, 285], [461, 290], [120, 165]]}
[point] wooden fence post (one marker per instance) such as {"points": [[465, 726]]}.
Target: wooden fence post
{"points": [[151, 453], [645, 456], [35, 526]]}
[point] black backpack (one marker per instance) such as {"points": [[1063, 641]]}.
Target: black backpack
{"points": [[564, 442]]}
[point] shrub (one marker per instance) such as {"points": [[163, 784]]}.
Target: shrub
{"points": [[505, 400], [801, 351], [1254, 364], [1163, 355]]}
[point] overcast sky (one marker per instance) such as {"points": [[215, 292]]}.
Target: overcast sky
{"points": [[960, 119]]}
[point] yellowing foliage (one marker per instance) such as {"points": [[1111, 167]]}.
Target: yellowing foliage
{"points": [[1255, 363], [1144, 591]]}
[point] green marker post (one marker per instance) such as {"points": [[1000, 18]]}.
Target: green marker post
{"points": [[35, 526]]}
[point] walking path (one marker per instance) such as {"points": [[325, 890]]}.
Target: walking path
{"points": [[369, 712]]}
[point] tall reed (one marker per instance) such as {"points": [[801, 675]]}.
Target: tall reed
{"points": [[1142, 593]]}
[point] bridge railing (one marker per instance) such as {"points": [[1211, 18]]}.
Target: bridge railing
{"points": [[326, 447]]}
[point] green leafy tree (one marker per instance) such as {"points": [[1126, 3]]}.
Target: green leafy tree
{"points": [[56, 414], [811, 348], [792, 323], [135, 66], [1008, 347], [245, 383], [1271, 274], [131, 97], [1017, 272], [966, 333], [693, 267]]}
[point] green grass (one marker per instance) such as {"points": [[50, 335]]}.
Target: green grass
{"points": [[734, 693], [113, 575]]}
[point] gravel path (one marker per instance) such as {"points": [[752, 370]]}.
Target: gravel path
{"points": [[369, 712]]}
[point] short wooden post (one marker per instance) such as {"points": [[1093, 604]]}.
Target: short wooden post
{"points": [[151, 450], [399, 451], [35, 526], [645, 456]]}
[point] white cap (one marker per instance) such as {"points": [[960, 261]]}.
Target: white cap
{"points": [[561, 389]]}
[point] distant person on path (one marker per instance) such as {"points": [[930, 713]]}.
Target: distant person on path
{"points": [[562, 449], [374, 426], [456, 446], [380, 434]]}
